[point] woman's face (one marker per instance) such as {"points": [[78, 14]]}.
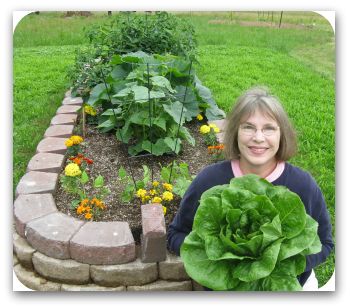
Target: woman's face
{"points": [[258, 143]]}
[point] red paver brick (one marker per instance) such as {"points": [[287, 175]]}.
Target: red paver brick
{"points": [[52, 145], [37, 182], [68, 109], [50, 234], [103, 243], [67, 118], [72, 101], [29, 207], [63, 131], [153, 239], [46, 162]]}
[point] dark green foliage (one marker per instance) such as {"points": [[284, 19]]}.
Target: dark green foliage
{"points": [[159, 33]]}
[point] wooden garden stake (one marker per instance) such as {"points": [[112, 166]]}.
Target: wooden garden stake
{"points": [[84, 126]]}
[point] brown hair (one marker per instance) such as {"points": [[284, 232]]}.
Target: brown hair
{"points": [[258, 98]]}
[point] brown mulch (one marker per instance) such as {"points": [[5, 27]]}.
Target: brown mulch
{"points": [[109, 155]]}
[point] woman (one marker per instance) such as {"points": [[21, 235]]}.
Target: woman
{"points": [[259, 139]]}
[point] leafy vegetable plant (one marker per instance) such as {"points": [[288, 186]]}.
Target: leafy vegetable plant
{"points": [[147, 99], [250, 235]]}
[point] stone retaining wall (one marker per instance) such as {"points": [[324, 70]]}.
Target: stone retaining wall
{"points": [[56, 252]]}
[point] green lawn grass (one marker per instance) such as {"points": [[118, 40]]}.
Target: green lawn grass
{"points": [[39, 88], [298, 65]]}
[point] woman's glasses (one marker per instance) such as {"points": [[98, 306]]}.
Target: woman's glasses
{"points": [[250, 130]]}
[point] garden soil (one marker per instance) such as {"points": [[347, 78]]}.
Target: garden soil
{"points": [[108, 155]]}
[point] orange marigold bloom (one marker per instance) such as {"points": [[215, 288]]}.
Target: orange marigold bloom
{"points": [[84, 202], [80, 209], [77, 161], [88, 216]]}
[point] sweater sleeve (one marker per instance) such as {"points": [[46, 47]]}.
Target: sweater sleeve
{"points": [[318, 211]]}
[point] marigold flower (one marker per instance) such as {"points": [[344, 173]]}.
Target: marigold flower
{"points": [[156, 200], [141, 193], [90, 110], [167, 196], [68, 143], [168, 187], [72, 169], [88, 216], [164, 209], [84, 202], [77, 161], [215, 128], [152, 192], [88, 160], [199, 117], [76, 139], [155, 184], [80, 209], [204, 129]]}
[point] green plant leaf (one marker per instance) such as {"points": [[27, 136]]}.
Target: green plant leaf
{"points": [[173, 144], [84, 178], [122, 173], [162, 82], [75, 203], [96, 93], [197, 265], [99, 182], [174, 110]]}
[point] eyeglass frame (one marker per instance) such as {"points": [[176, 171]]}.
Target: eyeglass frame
{"points": [[256, 130]]}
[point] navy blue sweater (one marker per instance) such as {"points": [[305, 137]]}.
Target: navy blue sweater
{"points": [[292, 177]]}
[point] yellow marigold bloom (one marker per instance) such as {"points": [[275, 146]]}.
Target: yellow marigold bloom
{"points": [[68, 143], [141, 193], [152, 192], [155, 184], [90, 110], [164, 209], [156, 200], [204, 129], [168, 187], [72, 169], [199, 117], [215, 128], [88, 216], [167, 196], [76, 139]]}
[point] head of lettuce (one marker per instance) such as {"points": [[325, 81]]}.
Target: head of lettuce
{"points": [[249, 235]]}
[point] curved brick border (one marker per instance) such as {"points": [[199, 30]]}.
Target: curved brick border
{"points": [[54, 251]]}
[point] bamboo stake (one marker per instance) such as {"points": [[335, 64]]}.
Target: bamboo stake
{"points": [[84, 126]]}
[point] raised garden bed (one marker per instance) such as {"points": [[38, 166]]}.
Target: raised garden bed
{"points": [[47, 242], [109, 154]]}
